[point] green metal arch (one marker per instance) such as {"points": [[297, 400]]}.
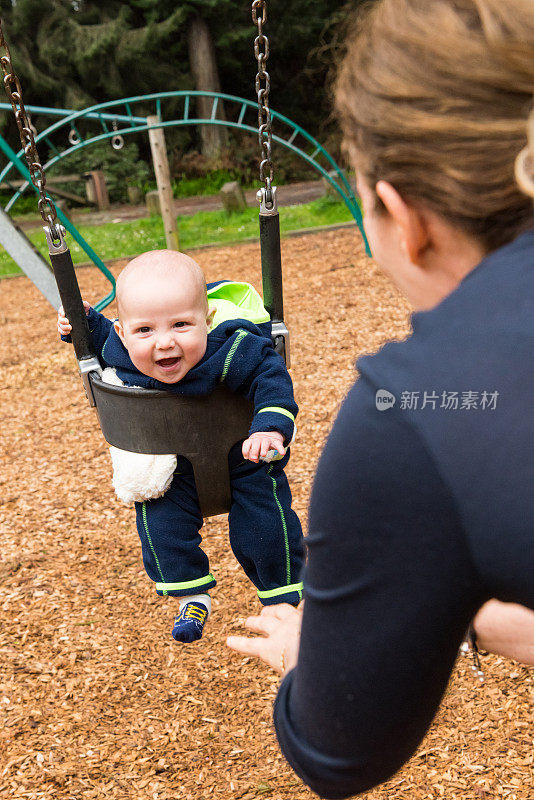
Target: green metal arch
{"points": [[131, 123], [138, 125]]}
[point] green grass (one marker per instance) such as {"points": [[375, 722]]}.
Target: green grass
{"points": [[211, 183], [25, 205], [122, 239]]}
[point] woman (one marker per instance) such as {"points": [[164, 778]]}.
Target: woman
{"points": [[422, 509]]}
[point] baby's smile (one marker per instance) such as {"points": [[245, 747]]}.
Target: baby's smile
{"points": [[168, 363]]}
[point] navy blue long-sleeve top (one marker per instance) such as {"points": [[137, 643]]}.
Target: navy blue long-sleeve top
{"points": [[238, 353], [422, 509]]}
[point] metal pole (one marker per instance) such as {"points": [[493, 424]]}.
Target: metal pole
{"points": [[163, 179], [28, 259], [67, 112]]}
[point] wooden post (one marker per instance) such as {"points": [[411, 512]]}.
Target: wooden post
{"points": [[163, 179], [96, 189]]}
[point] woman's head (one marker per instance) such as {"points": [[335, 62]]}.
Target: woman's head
{"points": [[433, 97]]}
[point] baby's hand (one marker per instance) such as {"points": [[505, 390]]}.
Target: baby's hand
{"points": [[258, 445], [63, 325]]}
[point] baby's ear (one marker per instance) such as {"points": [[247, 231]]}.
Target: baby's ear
{"points": [[119, 331]]}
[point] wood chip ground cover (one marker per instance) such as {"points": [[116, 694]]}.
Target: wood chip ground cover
{"points": [[96, 700]]}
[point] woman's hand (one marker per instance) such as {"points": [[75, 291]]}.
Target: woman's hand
{"points": [[279, 644], [506, 629]]}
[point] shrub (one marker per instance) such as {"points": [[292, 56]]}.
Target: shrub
{"points": [[122, 168]]}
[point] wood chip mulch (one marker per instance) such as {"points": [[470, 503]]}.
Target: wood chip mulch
{"points": [[96, 699]]}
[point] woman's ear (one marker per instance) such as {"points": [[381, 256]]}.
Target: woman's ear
{"points": [[119, 331], [411, 223]]}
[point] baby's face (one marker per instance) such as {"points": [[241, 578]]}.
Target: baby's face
{"points": [[164, 327]]}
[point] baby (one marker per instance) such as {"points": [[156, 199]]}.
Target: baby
{"points": [[176, 334]]}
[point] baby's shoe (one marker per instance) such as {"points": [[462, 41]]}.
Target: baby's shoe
{"points": [[189, 624]]}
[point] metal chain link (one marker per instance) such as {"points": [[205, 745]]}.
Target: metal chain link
{"points": [[13, 89], [263, 86]]}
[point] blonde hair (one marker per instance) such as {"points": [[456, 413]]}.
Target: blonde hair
{"points": [[524, 165], [433, 96]]}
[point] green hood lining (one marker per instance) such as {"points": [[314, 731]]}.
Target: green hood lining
{"points": [[235, 300]]}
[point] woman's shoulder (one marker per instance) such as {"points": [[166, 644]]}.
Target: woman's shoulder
{"points": [[478, 333]]}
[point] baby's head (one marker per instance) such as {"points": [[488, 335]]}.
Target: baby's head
{"points": [[163, 314]]}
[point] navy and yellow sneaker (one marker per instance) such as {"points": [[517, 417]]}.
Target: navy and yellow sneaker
{"points": [[189, 624]]}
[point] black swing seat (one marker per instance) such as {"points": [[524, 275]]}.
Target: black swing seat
{"points": [[203, 429]]}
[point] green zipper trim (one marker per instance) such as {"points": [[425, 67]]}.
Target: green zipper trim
{"points": [[293, 587], [284, 526], [186, 584], [228, 359], [278, 410], [145, 523]]}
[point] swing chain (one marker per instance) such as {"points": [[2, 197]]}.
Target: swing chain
{"points": [[13, 89], [263, 86]]}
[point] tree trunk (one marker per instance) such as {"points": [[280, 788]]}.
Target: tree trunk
{"points": [[206, 77]]}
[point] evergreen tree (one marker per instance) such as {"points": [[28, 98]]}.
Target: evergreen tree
{"points": [[73, 53]]}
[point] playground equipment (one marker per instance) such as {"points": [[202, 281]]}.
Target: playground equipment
{"points": [[203, 432], [117, 119], [22, 251], [238, 110]]}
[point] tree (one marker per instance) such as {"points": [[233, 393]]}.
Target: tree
{"points": [[77, 54], [206, 76], [73, 53]]}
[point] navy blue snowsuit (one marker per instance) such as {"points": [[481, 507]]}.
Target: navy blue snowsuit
{"points": [[265, 533]]}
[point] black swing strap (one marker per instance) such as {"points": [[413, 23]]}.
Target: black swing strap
{"points": [[71, 299], [69, 291], [271, 270], [271, 258]]}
